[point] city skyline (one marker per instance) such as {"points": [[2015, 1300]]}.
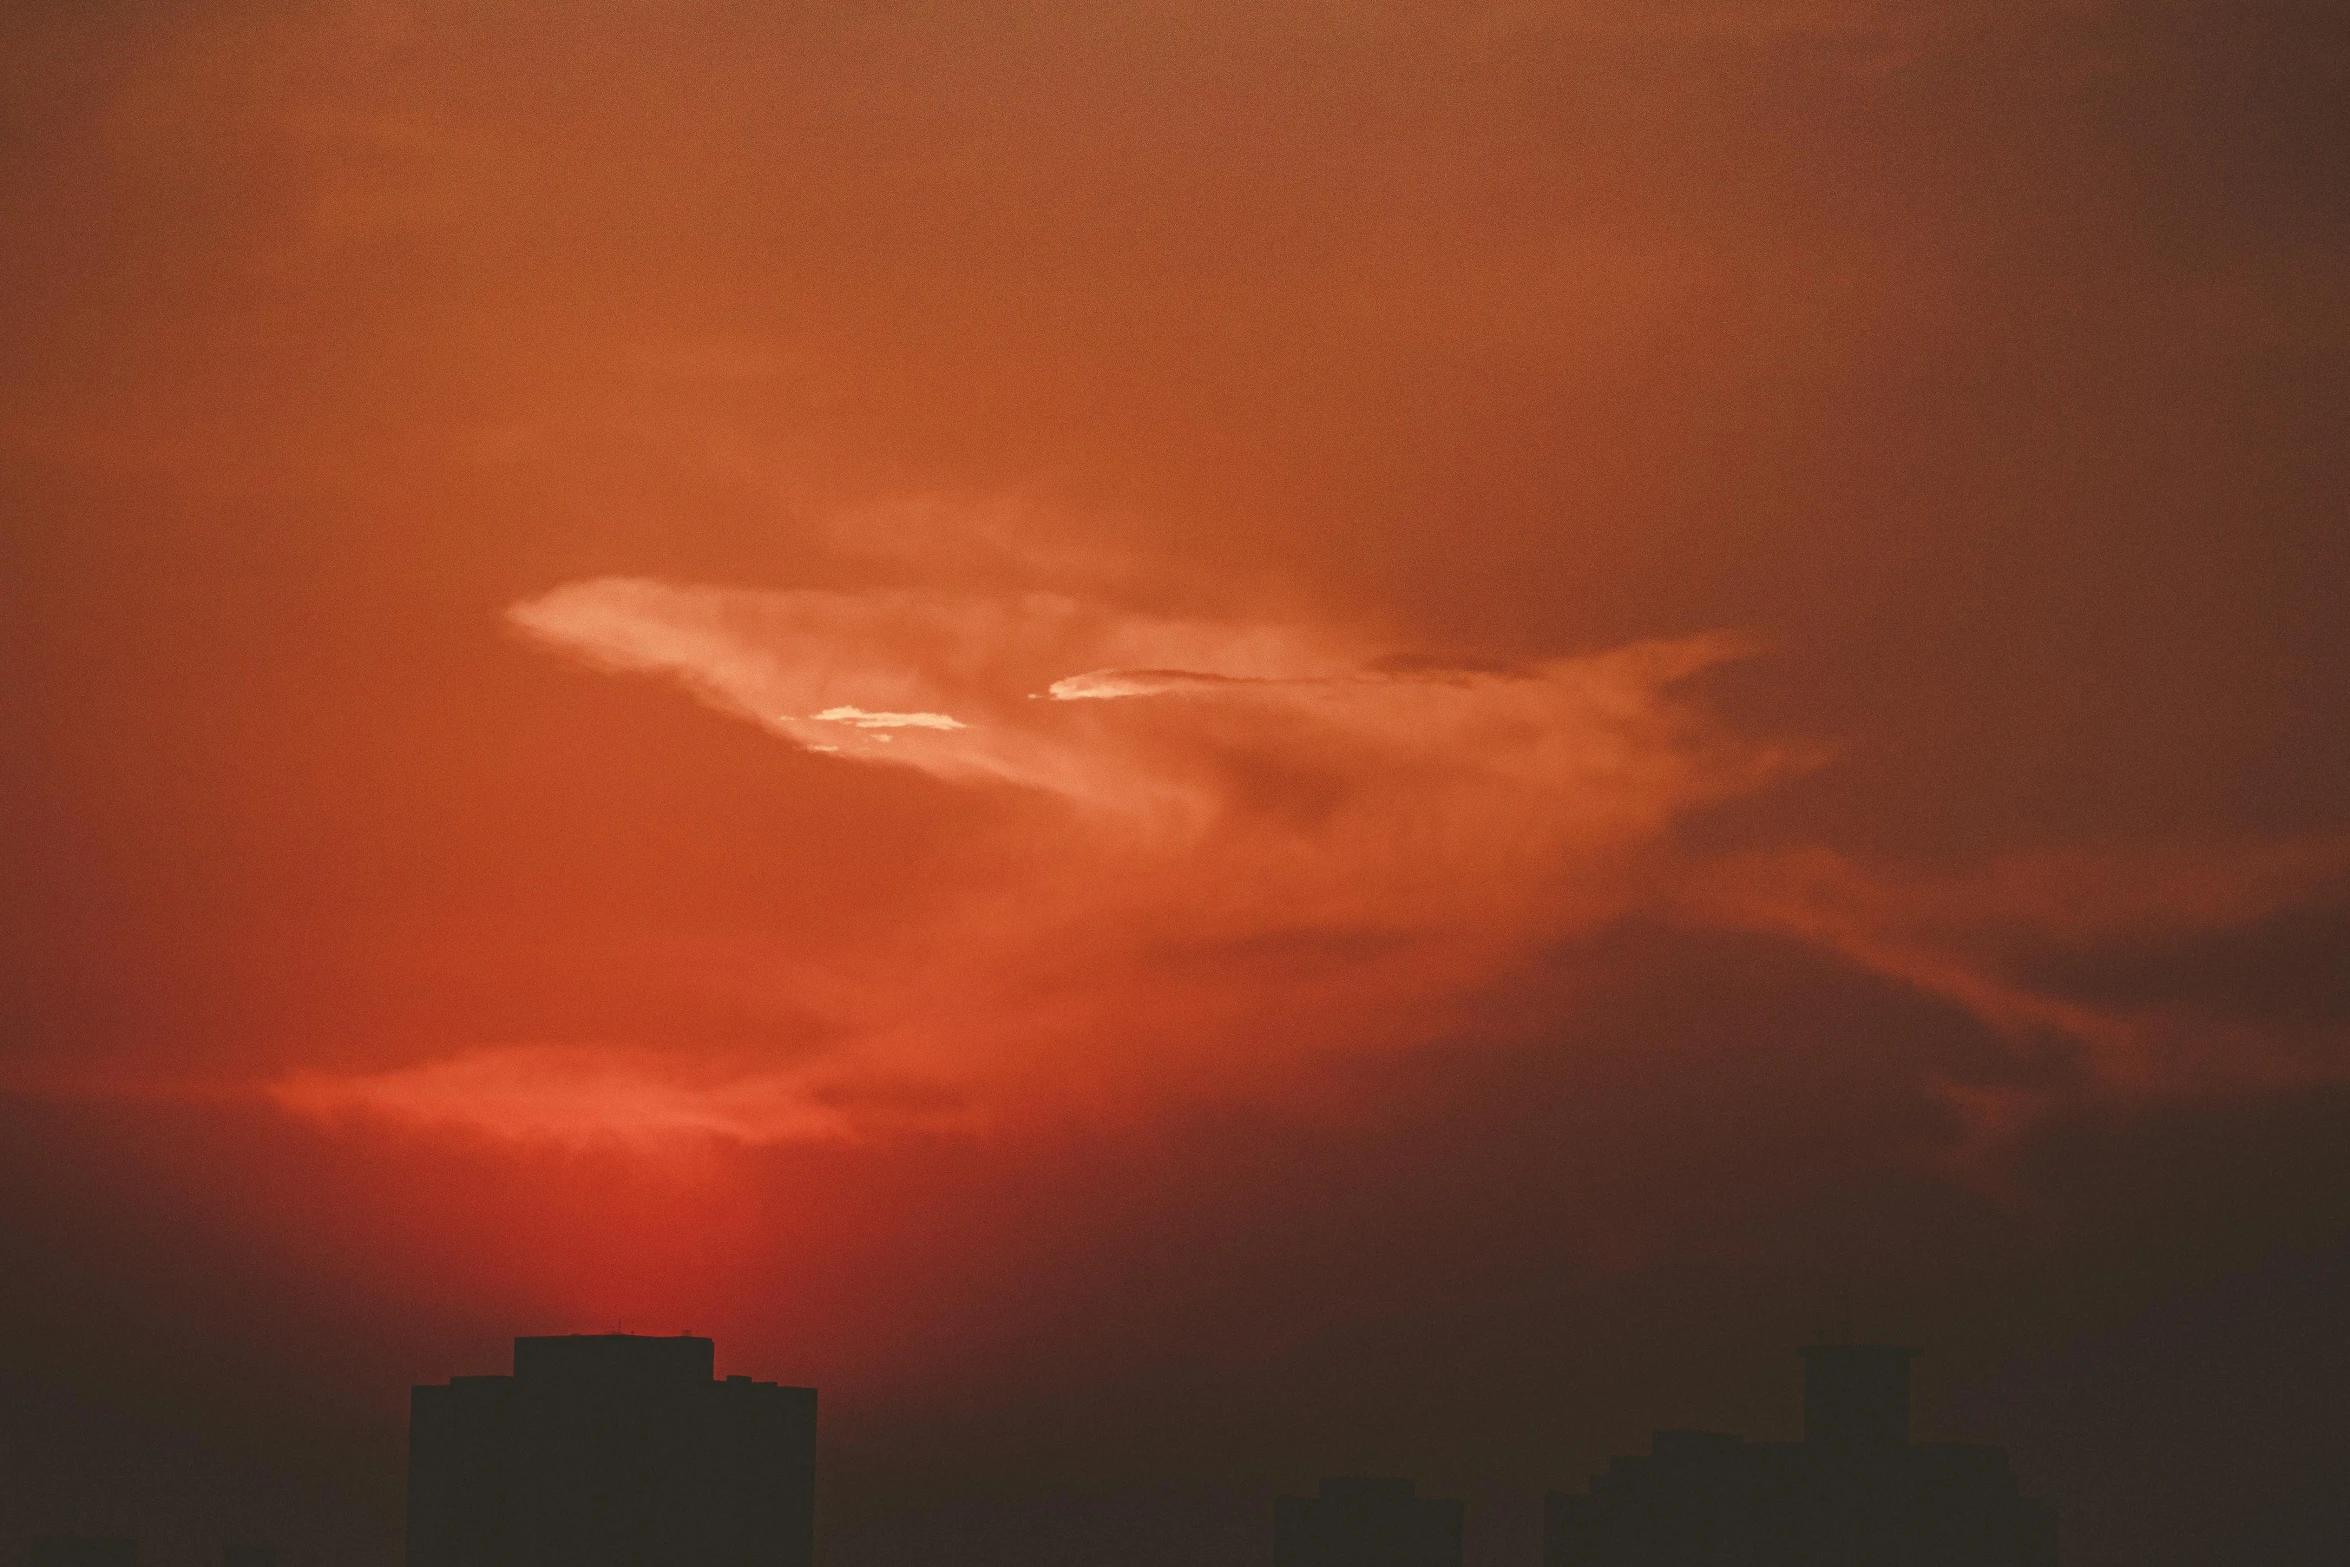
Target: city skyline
{"points": [[629, 1449]]}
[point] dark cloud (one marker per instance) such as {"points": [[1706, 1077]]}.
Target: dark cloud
{"points": [[2286, 971]]}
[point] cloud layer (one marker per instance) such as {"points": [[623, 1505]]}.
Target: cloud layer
{"points": [[1236, 846], [1242, 844]]}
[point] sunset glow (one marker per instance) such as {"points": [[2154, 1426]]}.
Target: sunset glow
{"points": [[1190, 744]]}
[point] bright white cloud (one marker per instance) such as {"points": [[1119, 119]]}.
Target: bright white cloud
{"points": [[1104, 685], [861, 719]]}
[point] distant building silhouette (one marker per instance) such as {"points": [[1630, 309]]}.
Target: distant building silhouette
{"points": [[611, 1450], [1362, 1522], [79, 1551], [1855, 1492]]}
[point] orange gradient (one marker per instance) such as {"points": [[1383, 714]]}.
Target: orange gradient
{"points": [[1075, 715]]}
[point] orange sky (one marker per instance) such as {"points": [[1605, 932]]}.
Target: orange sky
{"points": [[1079, 715]]}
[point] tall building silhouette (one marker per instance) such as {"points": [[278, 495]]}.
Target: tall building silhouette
{"points": [[611, 1450], [1855, 1492], [1364, 1522]]}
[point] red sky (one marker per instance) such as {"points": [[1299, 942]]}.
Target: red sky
{"points": [[1187, 744]]}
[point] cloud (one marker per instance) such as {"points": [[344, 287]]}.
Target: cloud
{"points": [[1239, 846], [859, 718], [587, 1094], [568, 1094], [1590, 737], [2010, 941], [1110, 685], [1277, 841]]}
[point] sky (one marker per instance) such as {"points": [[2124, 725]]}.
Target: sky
{"points": [[1185, 744]]}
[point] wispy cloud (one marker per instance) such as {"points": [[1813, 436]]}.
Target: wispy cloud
{"points": [[858, 718], [1279, 840], [1263, 842], [1981, 936]]}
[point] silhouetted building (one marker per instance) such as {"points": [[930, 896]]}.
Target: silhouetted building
{"points": [[79, 1551], [1856, 1397], [1361, 1522], [248, 1556], [611, 1450], [1855, 1492]]}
